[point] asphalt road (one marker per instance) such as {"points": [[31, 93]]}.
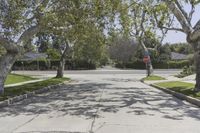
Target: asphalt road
{"points": [[104, 71], [101, 103]]}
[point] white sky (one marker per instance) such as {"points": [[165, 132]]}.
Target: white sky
{"points": [[174, 37]]}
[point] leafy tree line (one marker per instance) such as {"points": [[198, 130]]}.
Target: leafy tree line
{"points": [[182, 48], [21, 20], [79, 23], [124, 50], [149, 15]]}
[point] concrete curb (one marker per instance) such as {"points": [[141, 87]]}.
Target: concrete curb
{"points": [[28, 94], [179, 95]]}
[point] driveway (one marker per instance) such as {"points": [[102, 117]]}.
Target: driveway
{"points": [[101, 103]]}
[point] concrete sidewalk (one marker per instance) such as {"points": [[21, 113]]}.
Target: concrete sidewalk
{"points": [[188, 79], [23, 83], [101, 104]]}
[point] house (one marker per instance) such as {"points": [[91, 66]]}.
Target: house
{"points": [[178, 56], [30, 56]]}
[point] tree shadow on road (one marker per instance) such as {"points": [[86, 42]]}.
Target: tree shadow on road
{"points": [[93, 99]]}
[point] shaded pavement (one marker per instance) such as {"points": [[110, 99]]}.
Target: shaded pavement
{"points": [[112, 103]]}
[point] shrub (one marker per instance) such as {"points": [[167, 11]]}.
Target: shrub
{"points": [[186, 72], [156, 65], [53, 65]]}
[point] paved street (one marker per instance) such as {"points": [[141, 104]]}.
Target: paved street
{"points": [[102, 102], [104, 71]]}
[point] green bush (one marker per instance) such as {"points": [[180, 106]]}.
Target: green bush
{"points": [[178, 64], [186, 72], [156, 65], [53, 65]]}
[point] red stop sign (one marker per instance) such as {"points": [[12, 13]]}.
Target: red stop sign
{"points": [[146, 59]]}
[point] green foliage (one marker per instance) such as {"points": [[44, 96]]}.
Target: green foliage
{"points": [[75, 64], [160, 55], [90, 46], [43, 42], [187, 70], [182, 48], [53, 54], [122, 49], [43, 64], [178, 64], [164, 53], [82, 22], [17, 15], [139, 64]]}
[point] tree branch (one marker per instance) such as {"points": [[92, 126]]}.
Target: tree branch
{"points": [[187, 28], [191, 12], [141, 23], [172, 28], [183, 11], [195, 35], [9, 45], [135, 23], [28, 34]]}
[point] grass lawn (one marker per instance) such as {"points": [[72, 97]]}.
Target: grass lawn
{"points": [[22, 89], [15, 78], [153, 77], [181, 87]]}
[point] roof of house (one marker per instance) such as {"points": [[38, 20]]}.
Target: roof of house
{"points": [[33, 56], [178, 56]]}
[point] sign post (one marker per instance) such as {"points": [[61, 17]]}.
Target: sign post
{"points": [[147, 60]]}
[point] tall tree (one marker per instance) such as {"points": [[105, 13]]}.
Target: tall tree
{"points": [[122, 49], [20, 20], [136, 20], [79, 24], [176, 7]]}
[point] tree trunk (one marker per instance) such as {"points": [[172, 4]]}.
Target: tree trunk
{"points": [[61, 68], [197, 65], [6, 63]]}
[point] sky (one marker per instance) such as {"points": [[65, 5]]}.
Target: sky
{"points": [[175, 37]]}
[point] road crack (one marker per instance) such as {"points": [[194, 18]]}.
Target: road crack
{"points": [[97, 111]]}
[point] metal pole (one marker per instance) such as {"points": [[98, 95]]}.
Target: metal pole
{"points": [[38, 67], [146, 69]]}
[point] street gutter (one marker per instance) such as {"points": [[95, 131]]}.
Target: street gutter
{"points": [[178, 95]]}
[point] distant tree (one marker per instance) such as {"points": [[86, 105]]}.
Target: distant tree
{"points": [[184, 17], [122, 49], [136, 19], [182, 48], [90, 45], [164, 53], [43, 42], [53, 54]]}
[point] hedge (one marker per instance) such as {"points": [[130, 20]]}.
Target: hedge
{"points": [[86, 65], [156, 65], [53, 65]]}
